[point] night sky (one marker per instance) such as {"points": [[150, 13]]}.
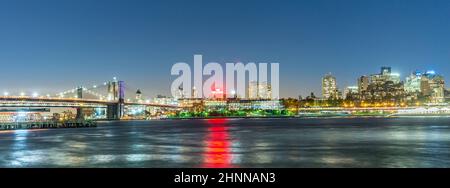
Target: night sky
{"points": [[48, 46]]}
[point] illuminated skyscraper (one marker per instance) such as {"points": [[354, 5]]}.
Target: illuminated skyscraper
{"points": [[350, 92], [413, 82], [385, 76], [384, 86], [363, 84], [427, 84], [433, 85], [264, 91], [329, 87], [253, 90]]}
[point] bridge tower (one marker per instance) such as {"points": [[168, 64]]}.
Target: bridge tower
{"points": [[80, 114], [121, 104], [116, 93], [80, 92]]}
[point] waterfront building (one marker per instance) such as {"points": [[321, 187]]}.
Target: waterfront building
{"points": [[384, 76], [164, 100], [428, 84], [192, 104], [385, 86], [252, 90], [135, 112], [233, 104], [262, 104], [351, 92], [138, 98], [329, 87], [214, 105], [217, 93], [266, 105], [264, 91], [413, 82], [433, 85], [363, 84]]}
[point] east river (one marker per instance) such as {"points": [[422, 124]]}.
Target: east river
{"points": [[325, 142]]}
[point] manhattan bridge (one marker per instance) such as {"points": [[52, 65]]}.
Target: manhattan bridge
{"points": [[109, 97]]}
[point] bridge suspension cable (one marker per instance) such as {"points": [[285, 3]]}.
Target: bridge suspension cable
{"points": [[93, 90]]}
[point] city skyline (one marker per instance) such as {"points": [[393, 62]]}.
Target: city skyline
{"points": [[88, 42]]}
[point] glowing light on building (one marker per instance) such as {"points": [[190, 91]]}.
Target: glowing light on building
{"points": [[395, 74], [432, 72]]}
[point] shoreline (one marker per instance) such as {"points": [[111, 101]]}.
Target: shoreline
{"points": [[93, 123], [310, 117]]}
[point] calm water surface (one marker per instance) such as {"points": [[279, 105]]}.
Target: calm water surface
{"points": [[347, 142]]}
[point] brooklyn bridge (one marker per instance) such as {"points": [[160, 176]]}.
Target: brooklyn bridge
{"points": [[109, 96]]}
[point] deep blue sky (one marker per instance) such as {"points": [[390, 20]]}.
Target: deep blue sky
{"points": [[54, 45]]}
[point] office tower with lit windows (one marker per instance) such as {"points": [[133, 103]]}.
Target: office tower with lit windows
{"points": [[329, 87], [363, 84], [428, 84], [413, 82], [384, 76], [264, 90], [351, 92], [384, 86], [252, 90], [433, 85]]}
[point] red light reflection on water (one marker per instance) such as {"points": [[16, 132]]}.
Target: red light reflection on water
{"points": [[217, 152]]}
